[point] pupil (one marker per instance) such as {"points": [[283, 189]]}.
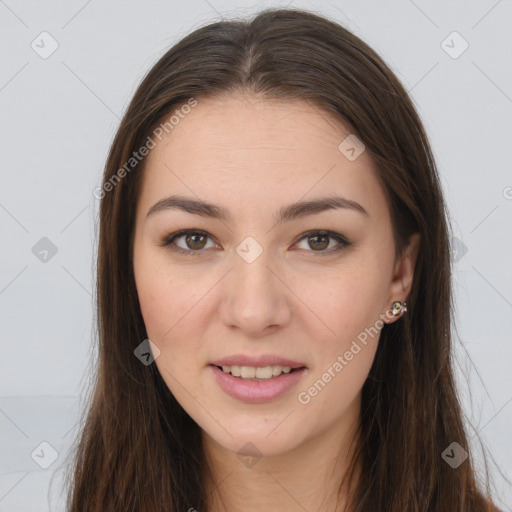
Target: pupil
{"points": [[194, 242], [316, 240]]}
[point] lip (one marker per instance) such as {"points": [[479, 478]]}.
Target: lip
{"points": [[255, 391], [263, 360]]}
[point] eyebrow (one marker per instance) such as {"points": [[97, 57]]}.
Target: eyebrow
{"points": [[286, 213]]}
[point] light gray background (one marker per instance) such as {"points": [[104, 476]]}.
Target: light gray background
{"points": [[59, 115]]}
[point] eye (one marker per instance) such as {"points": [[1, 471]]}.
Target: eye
{"points": [[318, 240], [196, 239]]}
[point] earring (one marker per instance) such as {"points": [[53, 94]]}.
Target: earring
{"points": [[398, 308]]}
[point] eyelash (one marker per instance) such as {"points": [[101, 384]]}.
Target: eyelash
{"points": [[169, 239]]}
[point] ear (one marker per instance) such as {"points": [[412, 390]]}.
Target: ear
{"points": [[403, 275]]}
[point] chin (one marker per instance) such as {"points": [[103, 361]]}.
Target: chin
{"points": [[258, 442]]}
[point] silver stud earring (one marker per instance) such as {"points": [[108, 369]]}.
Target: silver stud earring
{"points": [[398, 308]]}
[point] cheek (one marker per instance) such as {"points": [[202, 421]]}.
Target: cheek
{"points": [[173, 310], [347, 302], [167, 300], [156, 304], [169, 315], [343, 361], [349, 307]]}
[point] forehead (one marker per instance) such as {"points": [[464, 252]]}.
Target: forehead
{"points": [[250, 150]]}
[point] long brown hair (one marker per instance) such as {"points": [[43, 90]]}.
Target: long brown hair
{"points": [[138, 450]]}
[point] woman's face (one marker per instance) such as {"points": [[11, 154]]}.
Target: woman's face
{"points": [[255, 290]]}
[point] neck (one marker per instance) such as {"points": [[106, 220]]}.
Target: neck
{"points": [[306, 478]]}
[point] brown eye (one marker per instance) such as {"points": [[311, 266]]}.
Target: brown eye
{"points": [[318, 241], [194, 241]]}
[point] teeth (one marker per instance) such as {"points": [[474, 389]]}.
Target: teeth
{"points": [[264, 373], [247, 372], [276, 370], [260, 372]]}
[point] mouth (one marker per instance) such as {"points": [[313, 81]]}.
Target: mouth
{"points": [[258, 373], [257, 384]]}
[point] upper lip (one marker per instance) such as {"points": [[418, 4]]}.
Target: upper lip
{"points": [[262, 360]]}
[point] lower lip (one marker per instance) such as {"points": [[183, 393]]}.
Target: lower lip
{"points": [[256, 391]]}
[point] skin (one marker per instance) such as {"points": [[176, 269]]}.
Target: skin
{"points": [[252, 156]]}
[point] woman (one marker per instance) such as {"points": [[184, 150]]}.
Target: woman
{"points": [[274, 298]]}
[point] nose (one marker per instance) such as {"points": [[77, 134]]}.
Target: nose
{"points": [[255, 296]]}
